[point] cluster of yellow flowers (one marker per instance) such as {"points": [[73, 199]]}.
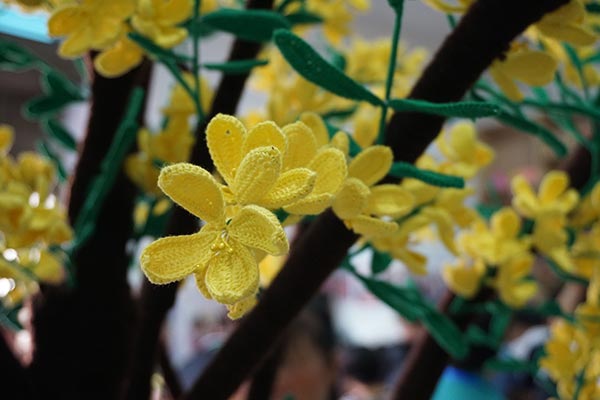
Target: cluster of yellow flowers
{"points": [[555, 225], [572, 354], [534, 58], [171, 145], [31, 220], [295, 171], [103, 25]]}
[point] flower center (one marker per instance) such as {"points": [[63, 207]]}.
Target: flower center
{"points": [[221, 244]]}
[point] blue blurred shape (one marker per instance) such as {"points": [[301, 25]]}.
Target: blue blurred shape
{"points": [[32, 26]]}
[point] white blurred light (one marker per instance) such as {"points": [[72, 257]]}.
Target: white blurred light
{"points": [[6, 285], [50, 201], [10, 255], [34, 199]]}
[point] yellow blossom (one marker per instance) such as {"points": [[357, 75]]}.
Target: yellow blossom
{"points": [[513, 287], [160, 19], [458, 6], [465, 154], [554, 195], [464, 279], [221, 254], [121, 57], [567, 24], [89, 24]]}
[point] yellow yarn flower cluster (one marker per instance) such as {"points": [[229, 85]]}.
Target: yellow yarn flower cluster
{"points": [[572, 354], [103, 25], [553, 223], [444, 208], [31, 220]]}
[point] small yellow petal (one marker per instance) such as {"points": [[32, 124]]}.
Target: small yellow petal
{"points": [[257, 174], [330, 166], [302, 145], [224, 137], [173, 258], [313, 204], [535, 68], [371, 227], [371, 164], [65, 20], [7, 136], [259, 228], [232, 276], [318, 127], [341, 142], [194, 189], [264, 134], [242, 307], [390, 200], [553, 185], [351, 200], [291, 186]]}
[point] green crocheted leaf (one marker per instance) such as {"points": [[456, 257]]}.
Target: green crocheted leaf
{"points": [[461, 109], [402, 169], [59, 91], [308, 63], [251, 25], [303, 18], [446, 333], [235, 67], [380, 262], [530, 127], [57, 131], [16, 58]]}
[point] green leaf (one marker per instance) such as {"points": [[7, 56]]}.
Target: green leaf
{"points": [[45, 150], [151, 48], [308, 63], [446, 333], [9, 318], [402, 169], [16, 58], [593, 8], [461, 109], [59, 91], [251, 25], [303, 18], [405, 301], [235, 67], [57, 131], [542, 133], [380, 261]]}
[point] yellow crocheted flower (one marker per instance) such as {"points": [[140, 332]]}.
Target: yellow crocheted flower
{"points": [[513, 287], [362, 205], [465, 154], [89, 24], [554, 195], [160, 19], [121, 57], [567, 24], [464, 279], [458, 6], [222, 253], [256, 165]]}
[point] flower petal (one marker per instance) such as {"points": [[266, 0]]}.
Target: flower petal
{"points": [[242, 307], [318, 127], [390, 200], [194, 189], [553, 185], [535, 68], [351, 200], [264, 134], [257, 174], [173, 258], [76, 44], [291, 186], [371, 164], [341, 142], [65, 20], [232, 276], [313, 204], [259, 228], [372, 227], [224, 137], [302, 145], [331, 169]]}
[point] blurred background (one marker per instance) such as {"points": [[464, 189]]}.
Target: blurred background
{"points": [[346, 344]]}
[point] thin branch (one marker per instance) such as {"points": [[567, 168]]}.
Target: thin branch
{"points": [[83, 334], [485, 33]]}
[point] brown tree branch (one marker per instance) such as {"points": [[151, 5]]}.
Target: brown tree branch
{"points": [[483, 35], [155, 301], [83, 334]]}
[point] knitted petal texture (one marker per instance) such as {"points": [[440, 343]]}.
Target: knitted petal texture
{"points": [[302, 145], [371, 164], [225, 136], [173, 258], [291, 186], [240, 308], [312, 204], [257, 174], [318, 127], [194, 189], [372, 227], [232, 274], [265, 134], [259, 228], [351, 199], [390, 200], [331, 169]]}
